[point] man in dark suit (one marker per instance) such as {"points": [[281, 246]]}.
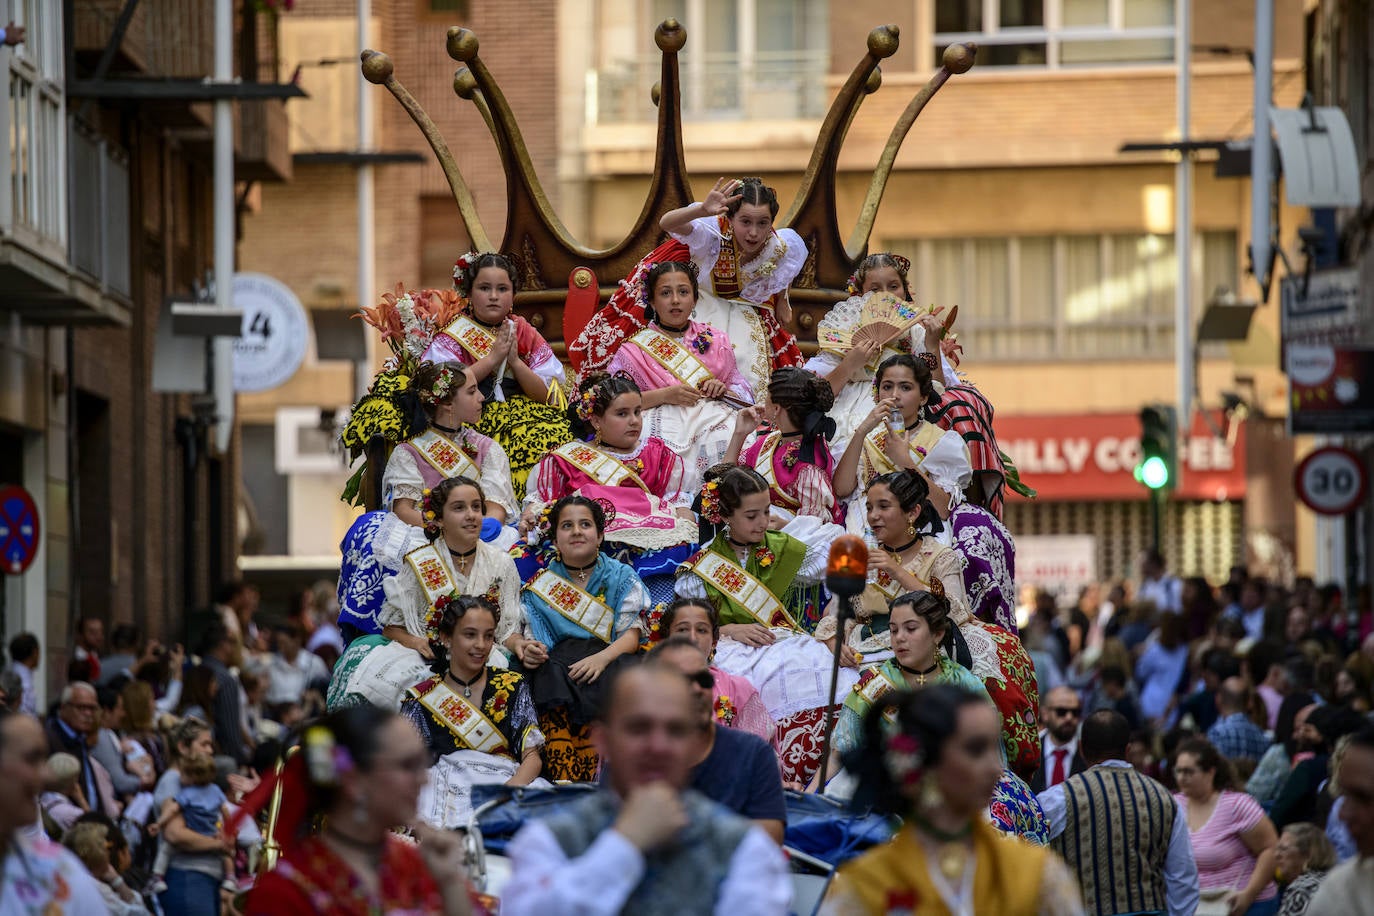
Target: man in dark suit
{"points": [[1060, 712], [69, 728]]}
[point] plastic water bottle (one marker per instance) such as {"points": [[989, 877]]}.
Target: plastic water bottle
{"points": [[895, 421]]}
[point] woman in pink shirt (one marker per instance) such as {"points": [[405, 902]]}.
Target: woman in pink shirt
{"points": [[1233, 840]]}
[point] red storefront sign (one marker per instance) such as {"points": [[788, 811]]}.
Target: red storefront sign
{"points": [[1093, 457]]}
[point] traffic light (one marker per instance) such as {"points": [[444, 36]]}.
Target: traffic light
{"points": [[1158, 447]]}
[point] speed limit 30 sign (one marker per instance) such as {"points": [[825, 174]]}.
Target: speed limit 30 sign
{"points": [[1331, 481]]}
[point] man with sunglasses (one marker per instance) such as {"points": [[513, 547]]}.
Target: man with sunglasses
{"points": [[734, 768], [1061, 711]]}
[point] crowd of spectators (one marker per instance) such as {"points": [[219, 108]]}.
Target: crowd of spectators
{"points": [[1242, 698], [147, 746]]}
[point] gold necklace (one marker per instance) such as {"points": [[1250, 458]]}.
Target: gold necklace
{"points": [[951, 859]]}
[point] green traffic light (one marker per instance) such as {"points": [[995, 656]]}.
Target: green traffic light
{"points": [[1153, 472]]}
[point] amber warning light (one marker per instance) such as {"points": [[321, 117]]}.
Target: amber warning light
{"points": [[847, 571]]}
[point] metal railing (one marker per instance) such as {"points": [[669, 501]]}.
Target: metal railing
{"points": [[98, 241], [715, 87]]}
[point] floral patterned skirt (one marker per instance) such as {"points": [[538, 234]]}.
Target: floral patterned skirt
{"points": [[527, 431], [1016, 810], [568, 751]]}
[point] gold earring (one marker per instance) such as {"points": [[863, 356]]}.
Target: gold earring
{"points": [[931, 796], [911, 528]]}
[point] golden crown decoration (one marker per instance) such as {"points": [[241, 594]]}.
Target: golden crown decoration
{"points": [[551, 261]]}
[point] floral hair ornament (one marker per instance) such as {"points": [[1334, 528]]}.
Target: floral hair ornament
{"points": [[428, 511], [441, 389], [462, 273], [710, 503], [544, 523], [436, 616], [586, 403], [902, 755], [325, 759]]}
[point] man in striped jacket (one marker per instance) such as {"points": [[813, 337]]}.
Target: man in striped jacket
{"points": [[1121, 832]]}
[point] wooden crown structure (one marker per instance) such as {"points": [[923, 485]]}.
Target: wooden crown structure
{"points": [[555, 267]]}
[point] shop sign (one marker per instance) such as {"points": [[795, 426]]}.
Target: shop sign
{"points": [[1093, 457], [1331, 389], [1060, 563]]}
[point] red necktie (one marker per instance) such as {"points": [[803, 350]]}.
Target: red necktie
{"points": [[1057, 775]]}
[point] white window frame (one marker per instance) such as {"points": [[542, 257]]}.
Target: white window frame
{"points": [[289, 456], [37, 64], [1054, 32]]}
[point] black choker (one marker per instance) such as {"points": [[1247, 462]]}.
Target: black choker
{"points": [[905, 547], [738, 544], [467, 685], [489, 327], [920, 674], [451, 430], [571, 568], [673, 330], [461, 554]]}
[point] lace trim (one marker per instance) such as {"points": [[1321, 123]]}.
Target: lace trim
{"points": [[758, 287]]}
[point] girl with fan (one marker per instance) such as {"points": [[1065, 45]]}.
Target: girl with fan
{"points": [[478, 721], [638, 484], [580, 617], [449, 446], [879, 301], [909, 558], [902, 386], [761, 583], [749, 266], [921, 634], [794, 456], [378, 669], [684, 368], [514, 367]]}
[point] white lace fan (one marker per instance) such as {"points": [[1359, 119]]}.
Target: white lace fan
{"points": [[882, 319]]}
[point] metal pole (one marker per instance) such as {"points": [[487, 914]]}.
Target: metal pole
{"points": [[1261, 150], [224, 222], [367, 246], [1183, 229]]}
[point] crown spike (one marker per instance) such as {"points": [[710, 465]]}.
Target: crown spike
{"points": [[813, 213], [378, 69], [957, 58]]}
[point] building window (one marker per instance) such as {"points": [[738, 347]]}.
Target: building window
{"points": [[1065, 296], [1058, 33], [744, 60]]}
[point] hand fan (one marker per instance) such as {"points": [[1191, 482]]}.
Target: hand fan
{"points": [[883, 317]]}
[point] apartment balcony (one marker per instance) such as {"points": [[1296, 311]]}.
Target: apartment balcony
{"points": [[58, 266]]}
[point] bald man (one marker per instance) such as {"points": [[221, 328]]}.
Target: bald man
{"points": [[1061, 711], [646, 844]]}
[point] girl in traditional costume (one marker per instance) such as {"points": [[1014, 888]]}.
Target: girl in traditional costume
{"points": [[478, 722], [901, 558], [908, 557], [794, 456], [902, 387], [683, 368], [850, 371], [760, 582], [734, 700], [921, 633], [749, 266], [354, 783], [447, 447], [378, 669], [638, 483], [513, 365], [930, 757], [580, 616]]}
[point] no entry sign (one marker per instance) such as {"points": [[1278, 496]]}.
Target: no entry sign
{"points": [[1331, 481], [19, 529]]}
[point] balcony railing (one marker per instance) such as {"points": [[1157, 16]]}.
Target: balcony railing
{"points": [[99, 189], [715, 87]]}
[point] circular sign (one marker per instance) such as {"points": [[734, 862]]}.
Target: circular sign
{"points": [[1331, 481], [19, 529], [275, 333]]}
